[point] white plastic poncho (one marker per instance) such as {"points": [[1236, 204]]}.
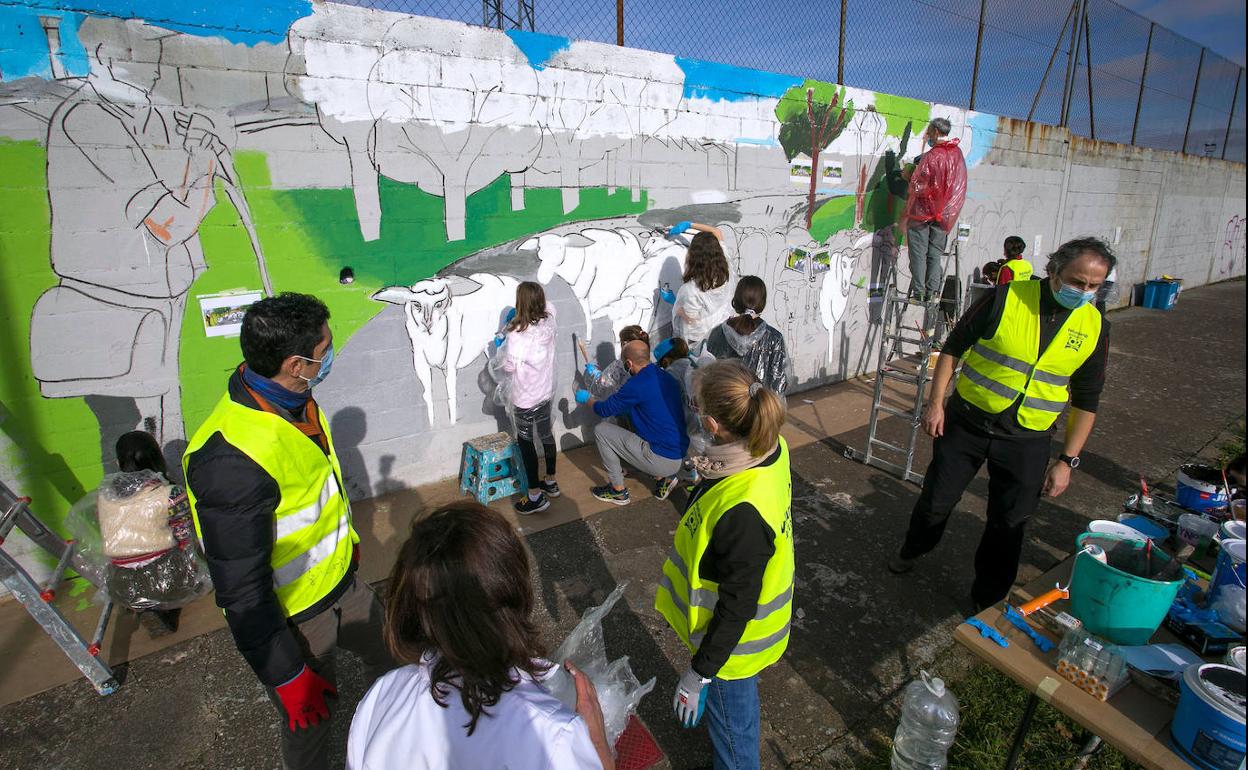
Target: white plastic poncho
{"points": [[697, 312]]}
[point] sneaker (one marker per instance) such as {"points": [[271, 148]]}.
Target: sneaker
{"points": [[527, 506], [609, 494], [550, 488], [900, 566], [664, 487]]}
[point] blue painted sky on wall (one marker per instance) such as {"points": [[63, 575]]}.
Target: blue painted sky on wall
{"points": [[24, 45], [724, 82], [538, 48]]}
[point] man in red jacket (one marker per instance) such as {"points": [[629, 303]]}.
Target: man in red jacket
{"points": [[937, 192]]}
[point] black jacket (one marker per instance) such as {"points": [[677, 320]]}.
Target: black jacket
{"points": [[981, 322], [741, 545], [235, 503]]}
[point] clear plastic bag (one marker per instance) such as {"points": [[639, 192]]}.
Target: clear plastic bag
{"points": [[84, 528], [133, 511], [619, 691], [171, 579]]}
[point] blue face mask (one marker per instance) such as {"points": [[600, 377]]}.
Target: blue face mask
{"points": [[326, 361], [1069, 297]]}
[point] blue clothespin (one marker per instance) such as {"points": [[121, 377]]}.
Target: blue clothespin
{"points": [[987, 631]]}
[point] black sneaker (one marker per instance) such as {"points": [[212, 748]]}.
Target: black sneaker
{"points": [[664, 487], [609, 494], [550, 488], [899, 566], [527, 506]]}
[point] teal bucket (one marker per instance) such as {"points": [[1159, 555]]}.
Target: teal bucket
{"points": [[1116, 604]]}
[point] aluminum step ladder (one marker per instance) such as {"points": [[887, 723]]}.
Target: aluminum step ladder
{"points": [[905, 356], [905, 351], [15, 512]]}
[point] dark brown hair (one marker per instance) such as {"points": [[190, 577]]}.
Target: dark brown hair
{"points": [[677, 351], [530, 306], [460, 592], [751, 294], [1014, 247], [724, 394], [705, 264], [633, 332]]}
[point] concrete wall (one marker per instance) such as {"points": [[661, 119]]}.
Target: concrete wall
{"points": [[153, 164]]}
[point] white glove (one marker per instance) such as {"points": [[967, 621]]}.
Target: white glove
{"points": [[690, 699]]}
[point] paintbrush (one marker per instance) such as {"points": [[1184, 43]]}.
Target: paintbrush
{"points": [[1146, 500]]}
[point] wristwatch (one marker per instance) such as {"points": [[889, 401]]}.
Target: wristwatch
{"points": [[1073, 462]]}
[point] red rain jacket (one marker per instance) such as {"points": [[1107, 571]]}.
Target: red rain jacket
{"points": [[938, 186]]}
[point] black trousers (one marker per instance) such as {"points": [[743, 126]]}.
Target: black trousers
{"points": [[533, 427], [1016, 471]]}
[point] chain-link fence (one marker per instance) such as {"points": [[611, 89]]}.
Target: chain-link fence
{"points": [[1092, 65]]}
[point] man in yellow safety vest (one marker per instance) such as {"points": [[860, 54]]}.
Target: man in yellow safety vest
{"points": [[269, 505], [1026, 350]]}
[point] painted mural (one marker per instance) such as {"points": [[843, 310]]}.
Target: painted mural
{"points": [[201, 150]]}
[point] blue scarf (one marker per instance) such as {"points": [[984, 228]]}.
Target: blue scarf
{"points": [[275, 394]]}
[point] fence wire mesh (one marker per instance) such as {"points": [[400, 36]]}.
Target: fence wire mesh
{"points": [[1103, 70]]}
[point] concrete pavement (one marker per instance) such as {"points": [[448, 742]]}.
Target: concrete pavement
{"points": [[1176, 383]]}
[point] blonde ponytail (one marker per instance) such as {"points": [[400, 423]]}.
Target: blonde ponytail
{"points": [[732, 396]]}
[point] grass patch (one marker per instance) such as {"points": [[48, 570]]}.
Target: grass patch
{"points": [[1233, 448], [991, 705]]}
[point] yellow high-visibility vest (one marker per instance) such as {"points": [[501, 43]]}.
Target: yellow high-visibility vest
{"points": [[314, 536], [687, 600], [996, 371], [1020, 267]]}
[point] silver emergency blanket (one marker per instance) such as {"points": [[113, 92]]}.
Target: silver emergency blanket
{"points": [[762, 351]]}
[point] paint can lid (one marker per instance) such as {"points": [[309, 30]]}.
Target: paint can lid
{"points": [[1220, 686]]}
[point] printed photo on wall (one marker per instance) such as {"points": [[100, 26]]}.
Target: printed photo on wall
{"points": [[800, 169], [223, 313], [964, 233], [833, 172], [797, 259]]}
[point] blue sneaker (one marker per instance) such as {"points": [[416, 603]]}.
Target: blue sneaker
{"points": [[609, 494]]}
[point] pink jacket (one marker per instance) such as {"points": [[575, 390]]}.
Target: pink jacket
{"points": [[530, 360]]}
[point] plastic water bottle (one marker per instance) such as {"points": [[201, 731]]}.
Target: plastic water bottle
{"points": [[929, 722]]}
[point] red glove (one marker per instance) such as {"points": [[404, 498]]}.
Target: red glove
{"points": [[304, 698]]}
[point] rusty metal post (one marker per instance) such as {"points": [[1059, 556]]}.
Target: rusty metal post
{"points": [[1234, 103], [1200, 65], [1139, 102], [840, 47], [979, 45], [619, 22]]}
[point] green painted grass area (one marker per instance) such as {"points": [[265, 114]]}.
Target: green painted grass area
{"points": [[833, 216], [306, 235]]}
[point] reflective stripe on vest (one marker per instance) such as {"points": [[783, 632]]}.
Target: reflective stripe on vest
{"points": [[687, 600], [997, 370], [313, 535], [1021, 269]]}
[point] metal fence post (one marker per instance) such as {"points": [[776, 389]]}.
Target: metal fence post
{"points": [[1087, 56], [1139, 102], [979, 44], [1200, 65], [1072, 63], [840, 48], [1231, 118], [619, 22]]}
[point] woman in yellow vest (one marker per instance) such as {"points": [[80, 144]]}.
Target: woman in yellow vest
{"points": [[727, 585], [1027, 350], [268, 501]]}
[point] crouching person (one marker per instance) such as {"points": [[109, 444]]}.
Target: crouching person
{"points": [[471, 695], [727, 585]]}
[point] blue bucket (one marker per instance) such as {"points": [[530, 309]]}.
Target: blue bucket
{"points": [[1200, 488], [1208, 726], [1230, 571]]}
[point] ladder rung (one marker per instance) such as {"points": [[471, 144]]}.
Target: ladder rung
{"points": [[909, 340], [896, 412], [891, 447], [912, 379]]}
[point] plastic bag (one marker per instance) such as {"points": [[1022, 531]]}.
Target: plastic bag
{"points": [[938, 186], [84, 528], [171, 579], [619, 691], [133, 510]]}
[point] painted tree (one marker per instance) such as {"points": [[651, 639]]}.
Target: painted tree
{"points": [[811, 117]]}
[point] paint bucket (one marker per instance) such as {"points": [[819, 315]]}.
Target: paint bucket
{"points": [[1103, 527], [1145, 526], [1197, 531], [1232, 530], [1208, 726], [1200, 488], [1118, 604], [1239, 509], [1230, 571], [1235, 657]]}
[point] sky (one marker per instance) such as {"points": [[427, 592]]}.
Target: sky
{"points": [[1216, 24]]}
